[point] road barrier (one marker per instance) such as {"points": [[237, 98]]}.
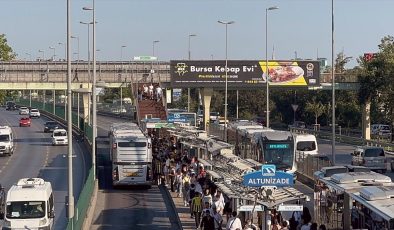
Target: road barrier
{"points": [[84, 201]]}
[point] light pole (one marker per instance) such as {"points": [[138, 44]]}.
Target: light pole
{"points": [[121, 90], [43, 54], [29, 56], [153, 54], [226, 23], [94, 97], [121, 52], [333, 82], [54, 52], [189, 56], [266, 65], [65, 49], [153, 47], [76, 37], [69, 120]]}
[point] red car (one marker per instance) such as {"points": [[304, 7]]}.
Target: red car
{"points": [[25, 121]]}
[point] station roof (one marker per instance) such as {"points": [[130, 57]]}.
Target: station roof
{"points": [[378, 199]]}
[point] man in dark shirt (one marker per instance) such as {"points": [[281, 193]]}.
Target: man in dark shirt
{"points": [[207, 222]]}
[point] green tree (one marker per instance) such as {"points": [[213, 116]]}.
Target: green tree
{"points": [[6, 52], [316, 108]]}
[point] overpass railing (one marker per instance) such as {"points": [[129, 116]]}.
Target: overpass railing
{"points": [[84, 199]]}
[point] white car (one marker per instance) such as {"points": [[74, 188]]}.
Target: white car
{"points": [[34, 113], [23, 111], [59, 137]]}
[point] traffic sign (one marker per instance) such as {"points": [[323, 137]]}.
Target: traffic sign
{"points": [[268, 176], [145, 58], [290, 208], [295, 107], [249, 208]]}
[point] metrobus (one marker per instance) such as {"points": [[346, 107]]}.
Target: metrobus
{"points": [[264, 145], [334, 190], [131, 155]]}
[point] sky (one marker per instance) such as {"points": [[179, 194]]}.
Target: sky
{"points": [[298, 26]]}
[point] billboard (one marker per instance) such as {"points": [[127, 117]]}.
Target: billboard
{"points": [[247, 74]]}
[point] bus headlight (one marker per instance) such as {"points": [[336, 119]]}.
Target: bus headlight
{"points": [[43, 222]]}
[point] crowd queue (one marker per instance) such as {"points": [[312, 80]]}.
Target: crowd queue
{"points": [[210, 209]]}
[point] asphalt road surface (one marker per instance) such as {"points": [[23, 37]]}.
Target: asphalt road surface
{"points": [[34, 156]]}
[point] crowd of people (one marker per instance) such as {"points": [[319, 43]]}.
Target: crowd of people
{"points": [[150, 92], [210, 209]]}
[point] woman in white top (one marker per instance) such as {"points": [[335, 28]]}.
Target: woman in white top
{"points": [[234, 223]]}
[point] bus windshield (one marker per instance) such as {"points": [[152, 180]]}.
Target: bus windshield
{"points": [[279, 154], [25, 209]]}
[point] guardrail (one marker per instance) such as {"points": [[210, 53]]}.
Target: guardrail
{"points": [[83, 203]]}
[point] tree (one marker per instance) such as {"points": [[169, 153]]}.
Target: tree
{"points": [[6, 52], [316, 108]]}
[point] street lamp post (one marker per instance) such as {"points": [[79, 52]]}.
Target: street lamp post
{"points": [[76, 37], [333, 82], [43, 54], [153, 54], [70, 199], [94, 96], [29, 56], [226, 23], [121, 52], [54, 52], [65, 49], [189, 56], [266, 66]]}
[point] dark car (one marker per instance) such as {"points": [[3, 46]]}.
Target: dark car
{"points": [[50, 126], [10, 106]]}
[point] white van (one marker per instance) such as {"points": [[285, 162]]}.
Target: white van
{"points": [[59, 137], [6, 140], [29, 205], [306, 144]]}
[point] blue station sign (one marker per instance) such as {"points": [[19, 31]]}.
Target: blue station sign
{"points": [[182, 117], [268, 176]]}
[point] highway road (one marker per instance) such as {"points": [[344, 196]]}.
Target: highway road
{"points": [[132, 208], [34, 156]]}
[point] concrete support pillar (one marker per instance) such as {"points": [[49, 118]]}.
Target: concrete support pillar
{"points": [[206, 94], [85, 103], [366, 120]]}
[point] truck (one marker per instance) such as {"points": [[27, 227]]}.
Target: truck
{"points": [[131, 155]]}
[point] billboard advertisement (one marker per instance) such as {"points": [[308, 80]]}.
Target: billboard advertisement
{"points": [[247, 74]]}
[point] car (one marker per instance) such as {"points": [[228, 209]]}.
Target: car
{"points": [[34, 113], [370, 157], [23, 111], [11, 106], [213, 116], [49, 126], [25, 121], [59, 137], [298, 124]]}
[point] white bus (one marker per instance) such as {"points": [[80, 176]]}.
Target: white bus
{"points": [[29, 205], [131, 155], [262, 144]]}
